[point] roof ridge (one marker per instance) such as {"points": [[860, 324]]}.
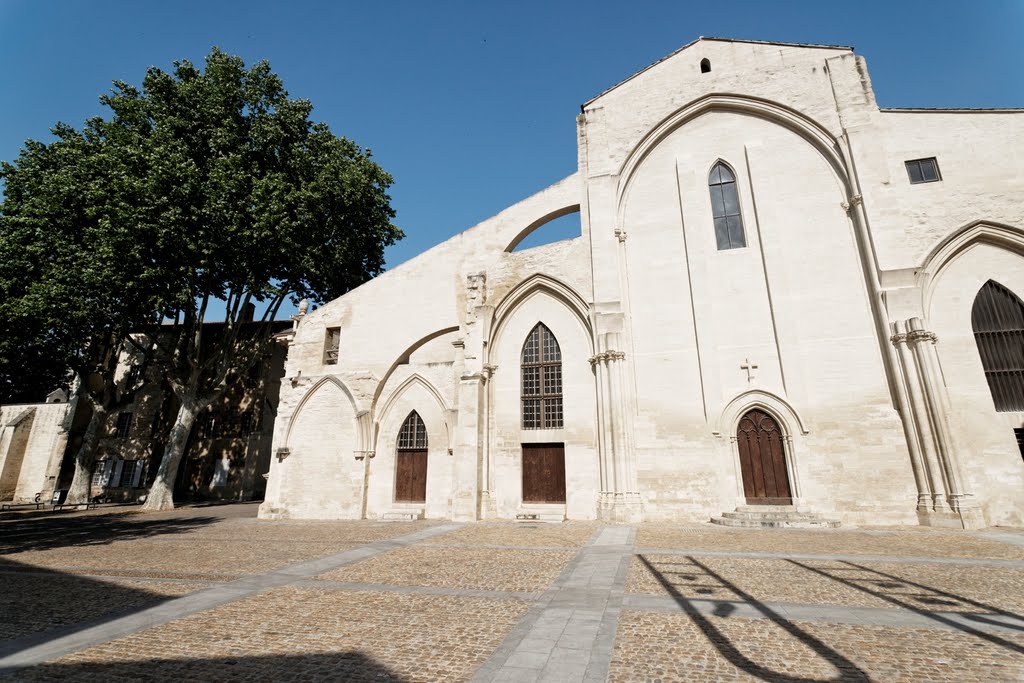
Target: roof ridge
{"points": [[715, 38]]}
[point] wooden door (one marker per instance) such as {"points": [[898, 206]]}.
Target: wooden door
{"points": [[411, 476], [763, 460], [543, 473]]}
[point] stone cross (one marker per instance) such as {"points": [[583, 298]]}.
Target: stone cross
{"points": [[749, 367]]}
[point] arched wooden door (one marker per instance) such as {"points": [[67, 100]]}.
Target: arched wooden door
{"points": [[763, 460], [411, 461]]}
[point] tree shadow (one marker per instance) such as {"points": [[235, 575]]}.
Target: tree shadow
{"points": [[40, 604], [699, 579], [335, 666], [885, 587], [45, 532]]}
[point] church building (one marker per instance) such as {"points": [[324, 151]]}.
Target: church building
{"points": [[786, 305]]}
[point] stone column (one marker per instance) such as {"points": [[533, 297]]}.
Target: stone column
{"points": [[923, 460], [487, 505], [620, 500], [465, 494], [961, 502], [929, 402]]}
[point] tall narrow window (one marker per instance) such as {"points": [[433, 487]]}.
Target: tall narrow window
{"points": [[725, 208], [124, 426], [542, 380], [998, 322], [332, 345]]}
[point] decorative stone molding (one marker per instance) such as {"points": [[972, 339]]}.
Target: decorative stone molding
{"points": [[922, 335], [605, 357], [476, 291], [853, 202]]}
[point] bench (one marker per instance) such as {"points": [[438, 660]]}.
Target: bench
{"points": [[20, 506]]}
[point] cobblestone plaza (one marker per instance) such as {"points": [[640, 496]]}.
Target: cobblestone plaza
{"points": [[212, 593]]}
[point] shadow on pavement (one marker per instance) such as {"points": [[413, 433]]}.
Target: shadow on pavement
{"points": [[904, 593], [848, 671], [47, 532], [340, 666], [39, 604]]}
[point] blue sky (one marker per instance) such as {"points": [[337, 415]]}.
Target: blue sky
{"points": [[471, 105]]}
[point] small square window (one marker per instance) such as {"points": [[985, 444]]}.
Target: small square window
{"points": [[923, 170]]}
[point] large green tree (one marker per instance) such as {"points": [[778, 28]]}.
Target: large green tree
{"points": [[73, 279], [229, 195]]}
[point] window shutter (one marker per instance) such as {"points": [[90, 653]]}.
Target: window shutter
{"points": [[115, 478], [137, 473]]}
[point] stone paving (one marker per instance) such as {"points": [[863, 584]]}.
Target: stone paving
{"points": [[214, 594], [496, 569]]}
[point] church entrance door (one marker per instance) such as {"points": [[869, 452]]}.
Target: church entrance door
{"points": [[411, 476], [763, 460], [543, 473]]}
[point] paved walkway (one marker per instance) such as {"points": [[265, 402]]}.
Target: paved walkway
{"points": [[36, 649], [217, 595], [569, 633]]}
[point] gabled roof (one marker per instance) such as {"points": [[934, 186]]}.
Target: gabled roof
{"points": [[721, 40]]}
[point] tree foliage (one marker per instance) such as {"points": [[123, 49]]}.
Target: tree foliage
{"points": [[202, 185]]}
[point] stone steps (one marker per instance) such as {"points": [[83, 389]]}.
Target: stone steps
{"points": [[410, 514], [552, 514], [773, 517]]}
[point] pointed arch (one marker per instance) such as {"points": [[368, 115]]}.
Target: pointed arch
{"points": [[403, 359], [540, 283], [779, 408], [330, 380], [810, 130], [789, 423], [412, 435], [541, 380], [997, 318], [725, 206], [410, 381], [959, 242]]}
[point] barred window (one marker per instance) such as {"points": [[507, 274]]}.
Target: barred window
{"points": [[542, 380], [725, 208], [124, 426], [998, 322], [413, 435]]}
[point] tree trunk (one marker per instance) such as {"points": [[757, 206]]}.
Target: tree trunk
{"points": [[85, 457], [161, 494]]}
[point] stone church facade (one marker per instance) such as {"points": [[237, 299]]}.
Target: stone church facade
{"points": [[781, 295]]}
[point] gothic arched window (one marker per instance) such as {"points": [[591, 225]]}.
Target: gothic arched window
{"points": [[542, 380], [998, 322], [725, 208], [413, 435]]}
